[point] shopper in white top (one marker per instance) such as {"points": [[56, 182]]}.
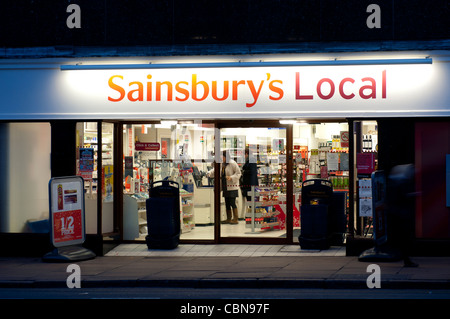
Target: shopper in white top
{"points": [[229, 178]]}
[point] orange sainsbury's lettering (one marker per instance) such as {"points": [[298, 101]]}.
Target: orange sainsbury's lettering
{"points": [[181, 90], [116, 87], [214, 91], [255, 93], [139, 91], [235, 88], [169, 90], [276, 89], [194, 88]]}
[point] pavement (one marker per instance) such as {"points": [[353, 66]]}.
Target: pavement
{"points": [[215, 266]]}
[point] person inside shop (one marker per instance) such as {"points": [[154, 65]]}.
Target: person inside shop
{"points": [[249, 176], [230, 174]]}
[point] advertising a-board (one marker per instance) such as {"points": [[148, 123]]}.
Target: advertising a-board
{"points": [[67, 211]]}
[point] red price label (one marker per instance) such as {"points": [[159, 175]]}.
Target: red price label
{"points": [[67, 226]]}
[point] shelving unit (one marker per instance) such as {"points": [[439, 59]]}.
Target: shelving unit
{"points": [[142, 216], [272, 171], [327, 163], [235, 145], [135, 217], [187, 212], [261, 213]]}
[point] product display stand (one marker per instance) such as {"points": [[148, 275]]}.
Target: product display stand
{"points": [[135, 216], [252, 212], [259, 215], [187, 212], [187, 202]]}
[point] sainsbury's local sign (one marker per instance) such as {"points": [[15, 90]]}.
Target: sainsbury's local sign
{"points": [[228, 92], [193, 88]]}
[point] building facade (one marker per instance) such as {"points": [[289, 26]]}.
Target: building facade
{"points": [[166, 104]]}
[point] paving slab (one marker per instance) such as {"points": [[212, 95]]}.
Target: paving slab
{"points": [[208, 266]]}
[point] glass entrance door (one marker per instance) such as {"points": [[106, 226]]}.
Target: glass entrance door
{"points": [[253, 182]]}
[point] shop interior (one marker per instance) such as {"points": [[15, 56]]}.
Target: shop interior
{"points": [[185, 152]]}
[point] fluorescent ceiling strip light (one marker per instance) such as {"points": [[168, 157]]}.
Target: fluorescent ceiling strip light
{"points": [[288, 121], [169, 122], [242, 64]]}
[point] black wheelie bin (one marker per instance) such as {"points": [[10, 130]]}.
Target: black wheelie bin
{"points": [[163, 215], [314, 215]]}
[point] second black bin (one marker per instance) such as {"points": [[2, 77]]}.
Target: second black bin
{"points": [[315, 214]]}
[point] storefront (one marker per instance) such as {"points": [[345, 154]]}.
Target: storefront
{"points": [[122, 123]]}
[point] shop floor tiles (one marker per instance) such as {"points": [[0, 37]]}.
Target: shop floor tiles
{"points": [[228, 230], [190, 250]]}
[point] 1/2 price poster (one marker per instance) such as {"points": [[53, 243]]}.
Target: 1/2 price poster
{"points": [[67, 210]]}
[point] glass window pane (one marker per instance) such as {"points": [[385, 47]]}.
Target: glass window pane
{"points": [[366, 163], [320, 151], [87, 156], [107, 178], [89, 148], [179, 152]]}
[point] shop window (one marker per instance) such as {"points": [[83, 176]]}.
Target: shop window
{"points": [[87, 161], [180, 152], [107, 178], [366, 152], [25, 171], [321, 151], [89, 150]]}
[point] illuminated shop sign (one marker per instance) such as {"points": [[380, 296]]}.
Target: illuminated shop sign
{"points": [[310, 91], [318, 91]]}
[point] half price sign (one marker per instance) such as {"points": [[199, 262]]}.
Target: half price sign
{"points": [[67, 210]]}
